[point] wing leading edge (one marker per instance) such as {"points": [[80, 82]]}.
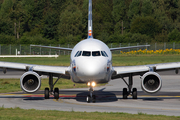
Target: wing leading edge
{"points": [[120, 72], [41, 69]]}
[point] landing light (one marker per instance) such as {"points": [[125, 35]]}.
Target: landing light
{"points": [[89, 84], [93, 84]]}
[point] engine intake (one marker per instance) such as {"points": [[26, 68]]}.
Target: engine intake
{"points": [[151, 82], [30, 82]]}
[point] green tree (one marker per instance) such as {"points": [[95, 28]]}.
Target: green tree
{"points": [[174, 36], [70, 22], [146, 8], [119, 13], [160, 14], [134, 8], [85, 19], [6, 25], [17, 15], [145, 25], [102, 17]]}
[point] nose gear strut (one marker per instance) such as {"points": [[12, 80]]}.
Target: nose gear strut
{"points": [[91, 97]]}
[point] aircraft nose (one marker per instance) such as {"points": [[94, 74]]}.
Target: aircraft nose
{"points": [[92, 68]]}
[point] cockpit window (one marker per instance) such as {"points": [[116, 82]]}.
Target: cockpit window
{"points": [[86, 53], [104, 54], [76, 54], [79, 54], [96, 53]]}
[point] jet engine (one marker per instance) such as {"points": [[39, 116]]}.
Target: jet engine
{"points": [[30, 82], [151, 82]]}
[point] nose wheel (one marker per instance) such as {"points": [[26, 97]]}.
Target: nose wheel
{"points": [[91, 97]]}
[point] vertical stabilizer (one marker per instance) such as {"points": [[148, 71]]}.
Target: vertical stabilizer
{"points": [[90, 26]]}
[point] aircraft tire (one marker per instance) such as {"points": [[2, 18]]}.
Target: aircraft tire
{"points": [[46, 93], [56, 93], [134, 93], [93, 98], [125, 93], [88, 99]]}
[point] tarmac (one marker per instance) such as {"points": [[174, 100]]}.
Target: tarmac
{"points": [[109, 98]]}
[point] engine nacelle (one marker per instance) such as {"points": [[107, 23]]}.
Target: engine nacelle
{"points": [[151, 82], [30, 82]]}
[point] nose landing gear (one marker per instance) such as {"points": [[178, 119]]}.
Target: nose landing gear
{"points": [[91, 97]]}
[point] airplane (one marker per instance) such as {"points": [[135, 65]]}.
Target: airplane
{"points": [[91, 63]]}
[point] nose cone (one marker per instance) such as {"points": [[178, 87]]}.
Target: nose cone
{"points": [[92, 69]]}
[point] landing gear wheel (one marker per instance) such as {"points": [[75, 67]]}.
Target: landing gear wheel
{"points": [[93, 98], [56, 93], [88, 99], [134, 93], [46, 93], [125, 93]]}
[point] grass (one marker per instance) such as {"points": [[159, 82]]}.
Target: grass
{"points": [[11, 85], [18, 114], [60, 61], [118, 60], [130, 60]]}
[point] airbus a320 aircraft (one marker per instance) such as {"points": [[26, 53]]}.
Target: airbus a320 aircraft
{"points": [[91, 63]]}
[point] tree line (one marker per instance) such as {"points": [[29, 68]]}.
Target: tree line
{"points": [[65, 21]]}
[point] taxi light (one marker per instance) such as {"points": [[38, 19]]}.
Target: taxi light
{"points": [[89, 84], [93, 84]]}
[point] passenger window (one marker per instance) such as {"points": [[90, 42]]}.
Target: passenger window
{"points": [[96, 53], [86, 53], [102, 53], [76, 54], [79, 54]]}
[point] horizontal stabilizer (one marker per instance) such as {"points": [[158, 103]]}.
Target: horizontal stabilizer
{"points": [[129, 47], [57, 48]]}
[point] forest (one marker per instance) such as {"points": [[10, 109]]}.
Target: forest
{"points": [[65, 21]]}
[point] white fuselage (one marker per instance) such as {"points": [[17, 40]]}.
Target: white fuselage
{"points": [[91, 62]]}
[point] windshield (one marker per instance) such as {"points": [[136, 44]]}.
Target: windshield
{"points": [[86, 53], [79, 54], [96, 53]]}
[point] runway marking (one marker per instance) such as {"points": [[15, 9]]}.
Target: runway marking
{"points": [[63, 96], [74, 95], [93, 104]]}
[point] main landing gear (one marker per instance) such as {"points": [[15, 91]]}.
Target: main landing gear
{"points": [[48, 92], [91, 97], [131, 91]]}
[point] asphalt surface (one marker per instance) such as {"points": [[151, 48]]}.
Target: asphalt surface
{"points": [[109, 98]]}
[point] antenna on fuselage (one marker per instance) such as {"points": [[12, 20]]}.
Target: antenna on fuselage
{"points": [[90, 25]]}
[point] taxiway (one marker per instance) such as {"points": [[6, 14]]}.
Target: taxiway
{"points": [[109, 98]]}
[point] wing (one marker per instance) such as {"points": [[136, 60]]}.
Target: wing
{"points": [[40, 69], [130, 47], [120, 72], [57, 48]]}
